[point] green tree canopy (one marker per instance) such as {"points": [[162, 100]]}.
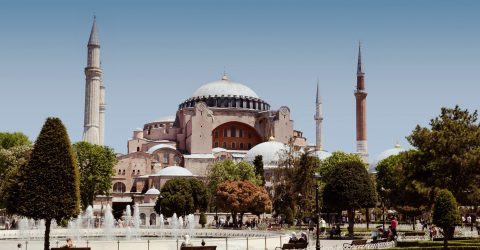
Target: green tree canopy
{"points": [[259, 171], [182, 196], [48, 186], [10, 161], [445, 213], [96, 164], [448, 154], [10, 140], [303, 183], [328, 166], [350, 188]]}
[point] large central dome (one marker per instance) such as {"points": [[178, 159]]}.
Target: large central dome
{"points": [[225, 88], [226, 94]]}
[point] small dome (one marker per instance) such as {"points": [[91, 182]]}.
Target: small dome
{"points": [[174, 171], [159, 146], [322, 155], [153, 191], [225, 88], [387, 153], [270, 152], [218, 150]]}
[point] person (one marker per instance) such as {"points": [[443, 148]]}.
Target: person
{"points": [[303, 238], [19, 246], [69, 243], [186, 241], [323, 226], [393, 227], [293, 238]]}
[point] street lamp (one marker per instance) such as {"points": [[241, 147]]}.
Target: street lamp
{"points": [[383, 206], [317, 177], [216, 212]]}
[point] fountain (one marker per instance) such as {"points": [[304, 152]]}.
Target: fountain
{"points": [[108, 223], [89, 217], [136, 221], [190, 224]]}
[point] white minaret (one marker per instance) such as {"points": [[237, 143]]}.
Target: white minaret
{"points": [[318, 120], [93, 73]]}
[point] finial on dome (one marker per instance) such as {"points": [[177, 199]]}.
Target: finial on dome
{"points": [[271, 138], [225, 77], [397, 145]]}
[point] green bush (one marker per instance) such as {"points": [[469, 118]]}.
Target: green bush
{"points": [[203, 219]]}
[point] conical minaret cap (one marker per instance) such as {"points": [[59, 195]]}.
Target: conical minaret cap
{"points": [[94, 40], [360, 64]]}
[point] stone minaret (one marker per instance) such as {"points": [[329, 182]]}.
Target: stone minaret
{"points": [[318, 120], [93, 130], [361, 103]]}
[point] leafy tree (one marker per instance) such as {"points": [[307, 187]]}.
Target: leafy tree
{"points": [[283, 199], [10, 161], [96, 164], [259, 172], [240, 197], [328, 166], [289, 217], [303, 184], [228, 170], [203, 219], [48, 186], [448, 154], [350, 188], [10, 140], [182, 196], [446, 214]]}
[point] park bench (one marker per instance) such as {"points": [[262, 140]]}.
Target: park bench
{"points": [[354, 244], [198, 248], [299, 245], [76, 248]]}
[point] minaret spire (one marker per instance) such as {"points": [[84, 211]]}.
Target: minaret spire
{"points": [[94, 92], [318, 120], [361, 109]]}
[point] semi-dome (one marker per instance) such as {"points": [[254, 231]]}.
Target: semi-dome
{"points": [[270, 151], [387, 153], [174, 171], [322, 155], [160, 146], [153, 191]]}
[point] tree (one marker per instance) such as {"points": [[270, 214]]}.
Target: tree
{"points": [[228, 170], [448, 154], [182, 196], [303, 184], [446, 214], [96, 164], [10, 140], [259, 172], [240, 197], [328, 166], [48, 186], [10, 161], [350, 188], [203, 219]]}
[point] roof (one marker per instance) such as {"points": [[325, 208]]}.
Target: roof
{"points": [[170, 118], [94, 40], [322, 155], [174, 171], [224, 88], [387, 153], [153, 191], [270, 152], [160, 146]]}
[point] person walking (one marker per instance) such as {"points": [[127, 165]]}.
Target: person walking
{"points": [[393, 226]]}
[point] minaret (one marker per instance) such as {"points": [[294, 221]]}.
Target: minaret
{"points": [[318, 120], [93, 81], [360, 96]]}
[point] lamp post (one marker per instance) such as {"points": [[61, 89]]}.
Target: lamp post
{"points": [[383, 207], [216, 212], [317, 177]]}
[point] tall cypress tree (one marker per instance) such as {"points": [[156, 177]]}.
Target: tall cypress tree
{"points": [[48, 186], [258, 163]]}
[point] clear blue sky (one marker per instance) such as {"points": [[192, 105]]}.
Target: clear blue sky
{"points": [[418, 56]]}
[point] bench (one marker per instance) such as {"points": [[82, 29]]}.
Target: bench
{"points": [[198, 248], [354, 243], [76, 248], [300, 245]]}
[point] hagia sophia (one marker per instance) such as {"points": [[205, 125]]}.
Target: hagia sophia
{"points": [[221, 120]]}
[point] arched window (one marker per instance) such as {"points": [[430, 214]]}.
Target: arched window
{"points": [[123, 172], [224, 145], [153, 219], [143, 217], [216, 144], [119, 187], [241, 145], [233, 145], [138, 149]]}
